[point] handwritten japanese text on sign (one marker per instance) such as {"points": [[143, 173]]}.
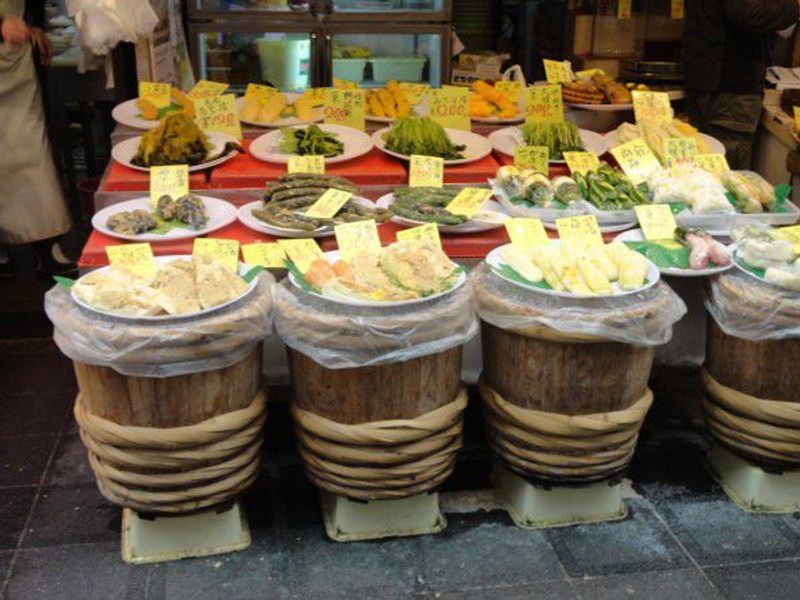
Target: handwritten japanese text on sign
{"points": [[543, 103], [269, 255], [426, 171], [302, 252], [220, 250], [328, 204], [218, 114], [262, 92], [713, 163], [532, 157], [680, 150], [636, 159], [579, 230], [169, 180], [581, 162], [207, 89], [345, 107], [450, 107], [425, 234], [356, 238], [135, 258], [414, 92], [656, 221], [526, 233], [312, 163], [157, 93], [469, 201], [511, 89], [652, 105], [557, 71]]}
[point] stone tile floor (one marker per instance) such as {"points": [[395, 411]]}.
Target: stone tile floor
{"points": [[682, 539]]}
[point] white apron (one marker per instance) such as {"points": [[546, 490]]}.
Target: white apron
{"points": [[32, 205]]}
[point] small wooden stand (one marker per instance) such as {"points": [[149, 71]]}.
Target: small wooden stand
{"points": [[166, 538], [538, 507], [348, 520], [750, 487]]}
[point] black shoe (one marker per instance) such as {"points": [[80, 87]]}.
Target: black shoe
{"points": [[52, 260]]}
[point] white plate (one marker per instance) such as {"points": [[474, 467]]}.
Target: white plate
{"points": [[491, 216], [219, 212], [636, 235], [714, 144], [128, 114], [161, 260], [616, 227], [477, 146], [245, 215], [673, 95], [333, 255], [317, 112], [508, 139], [422, 109], [356, 143], [734, 250], [126, 150], [495, 260]]}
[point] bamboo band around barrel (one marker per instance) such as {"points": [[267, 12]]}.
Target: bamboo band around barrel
{"points": [[381, 460], [760, 429], [179, 469], [563, 448]]}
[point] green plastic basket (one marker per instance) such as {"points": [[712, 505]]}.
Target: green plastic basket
{"points": [[400, 68], [349, 69]]}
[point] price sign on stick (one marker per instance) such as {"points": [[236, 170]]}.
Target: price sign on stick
{"points": [[302, 252], [581, 162], [269, 255], [652, 105], [136, 258], [450, 107], [219, 114], [313, 163], [677, 9], [713, 163], [624, 9], [328, 204], [636, 159], [469, 201], [543, 104], [169, 180], [157, 93], [356, 238], [535, 158], [656, 221], [511, 89], [428, 233], [557, 71], [426, 171], [414, 92], [221, 250], [680, 150], [262, 92], [345, 107], [579, 230], [526, 233], [207, 89]]}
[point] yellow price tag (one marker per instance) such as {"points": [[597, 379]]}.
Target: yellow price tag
{"points": [[579, 230], [426, 171], [262, 92], [713, 163], [536, 158], [581, 162], [223, 251], [677, 9], [624, 9], [136, 258], [218, 114], [526, 233], [557, 71], [328, 204], [269, 255], [511, 89], [356, 238], [302, 252], [450, 107], [543, 103], [157, 93], [469, 201], [588, 73], [169, 180], [652, 105], [317, 95], [207, 89], [680, 150], [796, 110], [345, 107], [344, 84], [656, 221], [428, 233], [312, 163], [636, 159], [414, 92]]}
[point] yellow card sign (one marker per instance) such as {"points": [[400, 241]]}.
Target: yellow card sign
{"points": [[796, 110], [136, 258], [262, 92], [169, 180], [652, 105], [426, 171], [680, 150], [302, 252], [624, 9], [511, 89], [414, 92], [157, 93], [588, 73], [469, 201], [579, 230], [312, 163], [328, 204], [636, 159], [269, 255], [219, 114], [581, 162], [317, 95], [207, 89], [656, 221], [543, 103], [428, 233], [223, 251], [526, 233], [450, 107], [533, 157], [345, 107], [677, 9], [356, 238], [713, 163], [557, 71]]}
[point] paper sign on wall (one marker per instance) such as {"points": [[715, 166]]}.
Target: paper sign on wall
{"points": [[168, 180], [543, 103], [221, 250], [218, 114], [450, 107], [269, 255], [136, 258]]}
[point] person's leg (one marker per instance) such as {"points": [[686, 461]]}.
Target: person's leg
{"points": [[738, 146]]}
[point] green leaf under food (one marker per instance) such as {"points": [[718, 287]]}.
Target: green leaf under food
{"points": [[782, 193], [505, 271], [66, 282], [253, 273], [677, 207], [760, 273], [662, 256], [165, 227], [300, 278]]}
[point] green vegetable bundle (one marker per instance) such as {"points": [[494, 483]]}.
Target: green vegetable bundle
{"points": [[609, 189], [426, 204], [421, 135], [558, 137], [310, 141]]}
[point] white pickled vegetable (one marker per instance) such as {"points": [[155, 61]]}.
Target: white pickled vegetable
{"points": [[687, 183]]}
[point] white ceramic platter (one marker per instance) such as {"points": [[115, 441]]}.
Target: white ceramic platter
{"points": [[477, 146], [673, 95], [356, 143], [508, 139], [636, 235], [422, 109], [317, 113], [128, 114], [491, 216], [126, 150], [714, 144], [604, 228]]}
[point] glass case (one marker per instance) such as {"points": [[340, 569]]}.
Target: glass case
{"points": [[216, 6], [366, 6], [336, 10]]}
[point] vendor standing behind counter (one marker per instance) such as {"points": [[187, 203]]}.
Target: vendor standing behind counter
{"points": [[726, 49]]}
